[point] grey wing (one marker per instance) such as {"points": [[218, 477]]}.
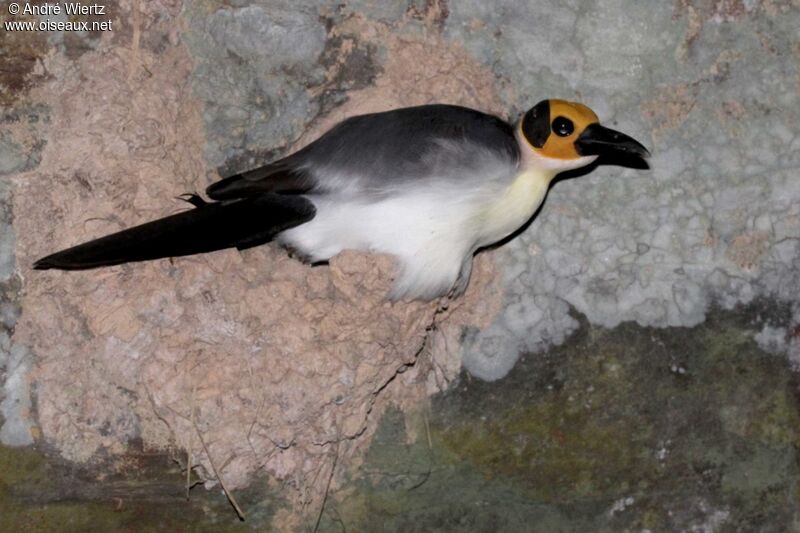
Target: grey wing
{"points": [[386, 150]]}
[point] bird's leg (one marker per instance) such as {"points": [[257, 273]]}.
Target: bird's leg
{"points": [[463, 279], [192, 198]]}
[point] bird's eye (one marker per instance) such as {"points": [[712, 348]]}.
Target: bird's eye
{"points": [[563, 127]]}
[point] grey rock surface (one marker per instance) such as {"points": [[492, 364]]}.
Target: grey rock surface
{"points": [[15, 361], [713, 90], [253, 67], [711, 87]]}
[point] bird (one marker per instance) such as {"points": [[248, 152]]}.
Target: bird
{"points": [[429, 185]]}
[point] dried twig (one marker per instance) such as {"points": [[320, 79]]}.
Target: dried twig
{"points": [[327, 486], [135, 39], [189, 457], [228, 494], [427, 427]]}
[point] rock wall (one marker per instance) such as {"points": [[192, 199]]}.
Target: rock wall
{"points": [[255, 364]]}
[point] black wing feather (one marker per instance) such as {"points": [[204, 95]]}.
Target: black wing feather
{"points": [[209, 226], [277, 177]]}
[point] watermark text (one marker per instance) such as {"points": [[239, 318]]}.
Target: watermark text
{"points": [[57, 16]]}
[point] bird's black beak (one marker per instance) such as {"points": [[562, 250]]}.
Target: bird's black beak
{"points": [[599, 140]]}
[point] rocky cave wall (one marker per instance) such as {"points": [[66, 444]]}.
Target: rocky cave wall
{"points": [[257, 365]]}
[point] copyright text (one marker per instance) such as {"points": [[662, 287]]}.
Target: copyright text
{"points": [[58, 16]]}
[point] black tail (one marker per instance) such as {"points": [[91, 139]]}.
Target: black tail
{"points": [[210, 226]]}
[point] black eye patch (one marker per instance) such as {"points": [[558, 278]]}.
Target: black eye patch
{"points": [[536, 124], [563, 127]]}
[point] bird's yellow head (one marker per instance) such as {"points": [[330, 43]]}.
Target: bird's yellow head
{"points": [[568, 131]]}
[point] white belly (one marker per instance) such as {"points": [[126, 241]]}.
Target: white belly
{"points": [[431, 232], [426, 236]]}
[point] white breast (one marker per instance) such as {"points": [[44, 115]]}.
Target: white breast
{"points": [[433, 231]]}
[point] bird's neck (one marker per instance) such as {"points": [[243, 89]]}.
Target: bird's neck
{"points": [[515, 205]]}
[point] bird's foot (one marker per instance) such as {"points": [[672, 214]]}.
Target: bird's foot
{"points": [[460, 286], [192, 198]]}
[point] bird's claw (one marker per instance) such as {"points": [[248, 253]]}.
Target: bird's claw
{"points": [[192, 198]]}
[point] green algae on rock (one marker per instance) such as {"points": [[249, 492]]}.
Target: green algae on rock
{"points": [[625, 429]]}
